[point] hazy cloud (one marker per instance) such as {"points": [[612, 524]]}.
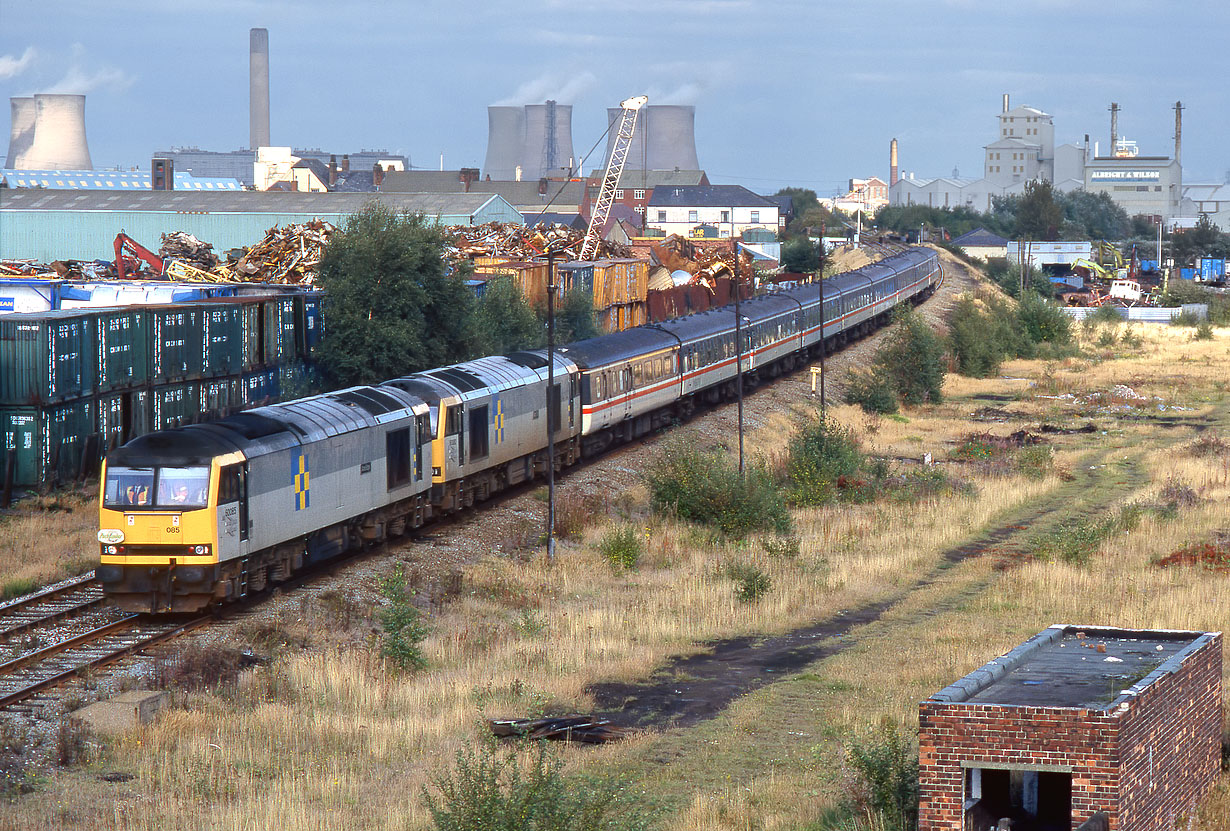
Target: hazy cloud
{"points": [[551, 86], [11, 67], [79, 79]]}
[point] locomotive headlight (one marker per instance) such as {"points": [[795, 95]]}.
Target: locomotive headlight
{"points": [[200, 549], [111, 549]]}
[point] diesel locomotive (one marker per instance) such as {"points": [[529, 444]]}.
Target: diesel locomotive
{"points": [[206, 513]]}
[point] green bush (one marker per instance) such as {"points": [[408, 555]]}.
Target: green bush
{"points": [[980, 340], [622, 547], [1035, 461], [705, 487], [1204, 331], [1188, 319], [926, 482], [1044, 321], [912, 359], [404, 632], [751, 583], [871, 390], [823, 458], [1105, 314], [488, 790], [883, 778]]}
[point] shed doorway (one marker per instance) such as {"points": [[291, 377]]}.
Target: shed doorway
{"points": [[1033, 800]]}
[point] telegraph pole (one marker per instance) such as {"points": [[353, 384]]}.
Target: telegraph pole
{"points": [[553, 405], [738, 354], [820, 280]]}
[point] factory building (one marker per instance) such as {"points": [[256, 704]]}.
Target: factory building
{"points": [[81, 225], [107, 180], [1143, 185], [239, 164]]}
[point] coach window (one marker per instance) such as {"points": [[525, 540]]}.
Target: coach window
{"points": [[397, 457]]}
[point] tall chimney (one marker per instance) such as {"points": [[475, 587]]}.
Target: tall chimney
{"points": [[1178, 131], [892, 163], [377, 174], [1114, 127], [332, 170], [1005, 102], [258, 94], [346, 163]]}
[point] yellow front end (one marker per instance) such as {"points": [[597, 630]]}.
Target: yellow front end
{"points": [[158, 542]]}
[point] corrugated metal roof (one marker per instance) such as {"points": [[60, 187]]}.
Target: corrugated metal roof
{"points": [[109, 180], [979, 237], [316, 204], [717, 196]]}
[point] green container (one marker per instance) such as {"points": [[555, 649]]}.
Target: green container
{"points": [[223, 339], [280, 341], [122, 416], [47, 357], [176, 340], [175, 405], [49, 440], [221, 396], [123, 348]]}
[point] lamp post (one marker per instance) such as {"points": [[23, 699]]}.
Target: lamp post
{"points": [[820, 281], [553, 403], [738, 354]]}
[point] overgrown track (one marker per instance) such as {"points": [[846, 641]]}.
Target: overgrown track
{"points": [[33, 672], [50, 606]]}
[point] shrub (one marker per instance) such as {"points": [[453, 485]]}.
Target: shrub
{"points": [[404, 632], [1035, 461], [1105, 314], [622, 547], [1204, 331], [1186, 318], [822, 458], [871, 390], [912, 358], [786, 547], [1044, 321], [926, 482], [882, 778], [705, 487], [751, 583], [488, 790], [201, 667]]}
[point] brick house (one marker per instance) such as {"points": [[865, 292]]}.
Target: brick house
{"points": [[729, 209], [636, 187], [1074, 722]]}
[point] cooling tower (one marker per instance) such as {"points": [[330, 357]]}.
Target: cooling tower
{"points": [[505, 140], [59, 134], [664, 139], [258, 94], [548, 139], [21, 136]]}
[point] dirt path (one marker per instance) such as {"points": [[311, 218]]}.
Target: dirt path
{"points": [[692, 688]]}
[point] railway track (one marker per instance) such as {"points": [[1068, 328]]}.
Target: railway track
{"points": [[58, 603]]}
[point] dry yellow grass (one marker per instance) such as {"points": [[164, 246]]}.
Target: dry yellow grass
{"points": [[333, 740], [47, 539]]}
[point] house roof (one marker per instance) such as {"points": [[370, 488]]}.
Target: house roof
{"points": [[319, 169], [574, 221], [519, 194], [980, 238], [1014, 142], [708, 196]]}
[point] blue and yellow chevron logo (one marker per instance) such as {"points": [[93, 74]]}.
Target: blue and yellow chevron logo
{"points": [[303, 481], [499, 420]]}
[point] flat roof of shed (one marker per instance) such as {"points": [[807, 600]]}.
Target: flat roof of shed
{"points": [[1091, 667]]}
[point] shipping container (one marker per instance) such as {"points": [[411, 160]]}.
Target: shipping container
{"points": [[575, 277], [174, 405], [221, 396], [1187, 273], [617, 282], [279, 342], [297, 380], [529, 277], [1212, 269], [225, 339], [310, 322], [123, 348], [176, 342], [260, 387], [47, 357], [29, 294], [77, 294], [122, 416], [49, 440]]}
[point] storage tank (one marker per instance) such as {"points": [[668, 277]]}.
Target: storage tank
{"points": [[21, 133], [664, 139], [505, 139], [59, 134], [548, 139]]}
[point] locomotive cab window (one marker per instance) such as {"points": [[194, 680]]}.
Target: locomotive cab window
{"points": [[397, 457], [179, 488], [478, 432], [453, 421]]}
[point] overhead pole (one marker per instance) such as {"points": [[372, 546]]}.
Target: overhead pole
{"points": [[553, 405], [738, 355]]}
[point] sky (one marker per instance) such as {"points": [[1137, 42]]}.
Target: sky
{"points": [[787, 92]]}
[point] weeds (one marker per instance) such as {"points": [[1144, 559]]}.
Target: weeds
{"points": [[15, 763], [574, 513], [705, 487], [871, 390], [402, 639], [491, 790], [201, 667], [622, 547], [824, 460], [1075, 543], [1208, 444], [784, 547], [71, 742], [18, 587], [751, 583], [1035, 461], [881, 781], [1204, 331]]}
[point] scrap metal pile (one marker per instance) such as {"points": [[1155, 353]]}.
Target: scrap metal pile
{"points": [[519, 243], [186, 248], [705, 263], [289, 254]]}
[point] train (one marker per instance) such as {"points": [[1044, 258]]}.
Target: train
{"points": [[208, 513]]}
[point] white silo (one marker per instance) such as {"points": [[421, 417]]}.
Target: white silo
{"points": [[59, 134], [21, 133], [505, 140]]}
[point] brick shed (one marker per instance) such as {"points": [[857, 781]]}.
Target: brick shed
{"points": [[1074, 722]]}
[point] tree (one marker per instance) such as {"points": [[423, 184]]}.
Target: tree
{"points": [[504, 321], [1039, 216], [800, 255], [1093, 215], [1205, 239], [392, 308], [912, 358], [574, 318]]}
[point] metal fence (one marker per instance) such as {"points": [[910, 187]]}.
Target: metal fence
{"points": [[1145, 314]]}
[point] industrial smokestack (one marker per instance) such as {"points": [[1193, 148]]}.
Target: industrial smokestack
{"points": [[1178, 131], [258, 94], [664, 138], [21, 134], [1005, 102], [1114, 128], [59, 134], [547, 138], [892, 163], [505, 139]]}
